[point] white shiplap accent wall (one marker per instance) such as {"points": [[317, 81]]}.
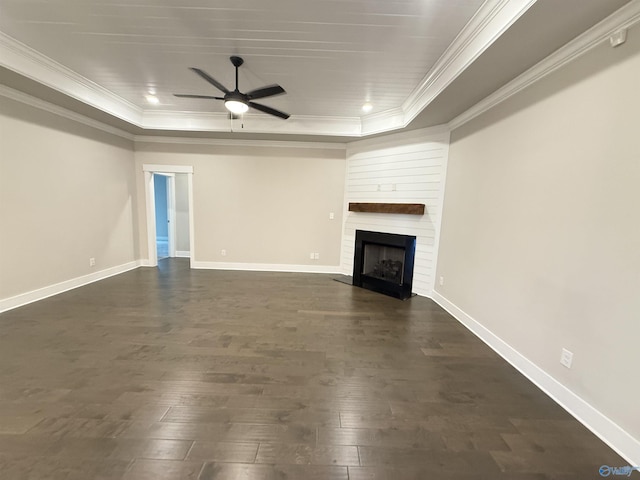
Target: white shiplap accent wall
{"points": [[404, 168]]}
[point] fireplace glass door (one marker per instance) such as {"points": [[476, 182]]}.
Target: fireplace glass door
{"points": [[384, 262]]}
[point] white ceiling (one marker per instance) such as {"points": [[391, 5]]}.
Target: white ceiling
{"points": [[331, 56]]}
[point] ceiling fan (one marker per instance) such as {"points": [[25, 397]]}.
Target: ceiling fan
{"points": [[234, 100]]}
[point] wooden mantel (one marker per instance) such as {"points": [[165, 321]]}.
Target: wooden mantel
{"points": [[404, 208]]}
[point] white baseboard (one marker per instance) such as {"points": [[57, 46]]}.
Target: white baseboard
{"points": [[45, 292], [609, 432], [266, 267], [183, 253]]}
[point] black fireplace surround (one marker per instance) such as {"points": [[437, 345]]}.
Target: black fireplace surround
{"points": [[383, 262]]}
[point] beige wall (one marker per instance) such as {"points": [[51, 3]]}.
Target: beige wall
{"points": [[67, 193], [262, 204], [541, 232]]}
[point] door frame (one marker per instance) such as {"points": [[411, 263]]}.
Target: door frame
{"points": [[168, 171]]}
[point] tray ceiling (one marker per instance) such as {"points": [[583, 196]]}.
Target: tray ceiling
{"points": [[331, 56]]}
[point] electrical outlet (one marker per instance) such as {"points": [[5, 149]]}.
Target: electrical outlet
{"points": [[566, 357], [312, 256], [92, 262], [441, 281], [316, 256], [332, 215], [223, 252]]}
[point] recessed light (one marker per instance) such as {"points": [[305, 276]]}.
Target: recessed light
{"points": [[367, 107], [152, 99]]}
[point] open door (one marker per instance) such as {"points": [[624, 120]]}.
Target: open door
{"points": [[165, 211], [166, 173]]}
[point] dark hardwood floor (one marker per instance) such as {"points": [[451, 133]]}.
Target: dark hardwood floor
{"points": [[170, 373]]}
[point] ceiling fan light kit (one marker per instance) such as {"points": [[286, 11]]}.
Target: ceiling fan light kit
{"points": [[236, 106], [234, 100]]}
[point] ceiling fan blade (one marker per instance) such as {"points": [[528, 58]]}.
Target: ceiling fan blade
{"points": [[186, 95], [269, 91], [210, 79], [269, 110]]}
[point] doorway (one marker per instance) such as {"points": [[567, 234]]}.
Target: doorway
{"points": [[164, 196], [163, 219]]}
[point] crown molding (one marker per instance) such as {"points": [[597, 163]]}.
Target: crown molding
{"points": [[381, 122], [26, 61], [62, 112], [30, 63], [141, 139], [489, 22], [492, 19], [219, 122], [625, 17]]}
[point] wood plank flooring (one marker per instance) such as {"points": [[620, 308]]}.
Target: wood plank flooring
{"points": [[170, 373]]}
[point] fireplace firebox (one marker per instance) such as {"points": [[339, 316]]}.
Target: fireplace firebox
{"points": [[383, 262]]}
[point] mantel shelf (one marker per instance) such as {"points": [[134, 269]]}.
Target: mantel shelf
{"points": [[403, 208]]}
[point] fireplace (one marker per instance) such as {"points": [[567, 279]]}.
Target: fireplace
{"points": [[383, 262]]}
